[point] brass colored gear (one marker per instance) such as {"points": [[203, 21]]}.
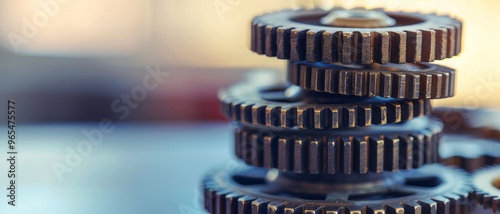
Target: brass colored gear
{"points": [[347, 151], [408, 81], [431, 189], [299, 35], [281, 105]]}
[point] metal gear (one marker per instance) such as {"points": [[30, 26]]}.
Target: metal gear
{"points": [[431, 189], [486, 183], [281, 105], [299, 35], [408, 81], [359, 150], [469, 141]]}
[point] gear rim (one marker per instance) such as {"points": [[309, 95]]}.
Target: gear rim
{"points": [[428, 81], [222, 195], [361, 150], [277, 35], [244, 103]]}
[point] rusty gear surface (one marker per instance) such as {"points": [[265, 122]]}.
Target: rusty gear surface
{"points": [[486, 183], [298, 35], [431, 189], [359, 150], [408, 81], [281, 105]]}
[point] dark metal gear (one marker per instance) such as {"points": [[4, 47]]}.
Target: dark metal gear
{"points": [[299, 35], [408, 81], [486, 183], [431, 189], [469, 142], [347, 151], [281, 105]]}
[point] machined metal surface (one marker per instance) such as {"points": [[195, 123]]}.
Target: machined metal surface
{"points": [[298, 35], [275, 106], [407, 81], [431, 189], [345, 151]]}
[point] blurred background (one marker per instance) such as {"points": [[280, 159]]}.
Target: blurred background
{"points": [[70, 63], [68, 60]]}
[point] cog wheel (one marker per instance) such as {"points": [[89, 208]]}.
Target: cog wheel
{"points": [[486, 183], [469, 141], [300, 35], [347, 151], [281, 105], [431, 189], [469, 152], [408, 81]]}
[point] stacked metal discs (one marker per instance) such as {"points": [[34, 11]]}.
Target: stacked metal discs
{"points": [[350, 131]]}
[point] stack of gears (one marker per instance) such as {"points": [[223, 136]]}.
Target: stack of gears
{"points": [[351, 131]]}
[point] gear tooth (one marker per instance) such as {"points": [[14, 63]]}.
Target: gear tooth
{"points": [[364, 115], [451, 42], [258, 114], [276, 207], [314, 41], [253, 43], [377, 154], [366, 47], [406, 152], [386, 84], [359, 88], [443, 204], [299, 156], [246, 112], [395, 209], [305, 76], [270, 153], [347, 44], [446, 85], [391, 162], [283, 42], [414, 46], [382, 111], [429, 149], [284, 154], [438, 81], [456, 203], [441, 43], [418, 151], [398, 89], [354, 210], [334, 210], [260, 30], [428, 206], [289, 117], [332, 81], [238, 133], [394, 113], [398, 47], [293, 72], [259, 206], [413, 86], [413, 208], [428, 45], [375, 209], [319, 117], [273, 116], [426, 83], [315, 157], [360, 160], [381, 47], [332, 47], [244, 147], [292, 208], [347, 156], [232, 203], [458, 46], [270, 42], [220, 202], [344, 83], [255, 151], [314, 210], [336, 116], [245, 204], [297, 45], [318, 79], [332, 152], [374, 84], [407, 110], [348, 117]]}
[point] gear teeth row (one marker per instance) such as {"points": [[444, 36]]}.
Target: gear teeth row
{"points": [[434, 84], [408, 46], [486, 194], [219, 200], [322, 116], [342, 154], [487, 201]]}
